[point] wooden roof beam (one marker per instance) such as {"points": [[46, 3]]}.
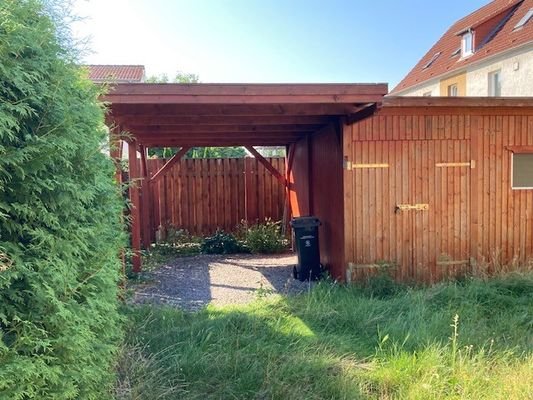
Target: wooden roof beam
{"points": [[226, 120], [220, 143], [127, 112], [364, 112], [168, 129], [244, 93]]}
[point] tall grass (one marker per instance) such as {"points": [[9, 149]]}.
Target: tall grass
{"points": [[469, 340]]}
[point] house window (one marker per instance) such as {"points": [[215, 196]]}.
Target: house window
{"points": [[522, 170], [452, 90], [524, 19], [432, 60], [495, 83], [467, 46]]}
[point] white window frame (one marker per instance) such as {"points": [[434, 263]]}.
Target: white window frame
{"points": [[525, 19], [468, 37], [491, 84], [513, 187], [449, 90]]}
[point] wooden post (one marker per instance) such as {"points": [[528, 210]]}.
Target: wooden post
{"points": [[115, 152], [146, 203], [135, 206], [287, 213]]}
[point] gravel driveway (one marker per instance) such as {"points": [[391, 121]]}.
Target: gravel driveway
{"points": [[193, 282]]}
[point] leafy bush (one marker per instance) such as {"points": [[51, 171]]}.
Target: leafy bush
{"points": [[60, 231], [265, 237], [175, 235], [221, 243]]}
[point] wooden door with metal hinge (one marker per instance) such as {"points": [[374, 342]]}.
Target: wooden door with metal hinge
{"points": [[408, 208]]}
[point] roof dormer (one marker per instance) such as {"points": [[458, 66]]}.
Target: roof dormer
{"points": [[467, 43]]}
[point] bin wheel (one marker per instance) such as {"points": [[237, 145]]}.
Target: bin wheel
{"points": [[295, 272]]}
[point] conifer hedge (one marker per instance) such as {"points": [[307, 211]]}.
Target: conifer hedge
{"points": [[59, 228]]}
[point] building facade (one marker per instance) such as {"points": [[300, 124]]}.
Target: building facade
{"points": [[487, 53]]}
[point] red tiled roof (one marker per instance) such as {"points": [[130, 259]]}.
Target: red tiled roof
{"points": [[116, 73], [484, 22]]}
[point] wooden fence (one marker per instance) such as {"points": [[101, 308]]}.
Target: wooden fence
{"points": [[202, 195]]}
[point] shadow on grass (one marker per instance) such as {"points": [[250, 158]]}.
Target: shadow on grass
{"points": [[340, 342]]}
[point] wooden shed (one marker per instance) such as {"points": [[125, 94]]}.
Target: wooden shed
{"points": [[430, 187], [436, 187]]}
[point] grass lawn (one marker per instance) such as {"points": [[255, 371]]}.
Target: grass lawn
{"points": [[340, 343]]}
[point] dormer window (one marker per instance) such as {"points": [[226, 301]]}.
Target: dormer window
{"points": [[525, 19], [467, 44], [433, 59]]}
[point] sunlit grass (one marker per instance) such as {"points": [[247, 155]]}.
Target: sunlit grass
{"points": [[340, 343]]}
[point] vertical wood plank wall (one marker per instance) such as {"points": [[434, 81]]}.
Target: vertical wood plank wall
{"points": [[326, 197], [202, 195], [423, 156], [316, 188]]}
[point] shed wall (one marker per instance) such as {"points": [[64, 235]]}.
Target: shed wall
{"points": [[326, 197], [448, 171], [316, 189]]}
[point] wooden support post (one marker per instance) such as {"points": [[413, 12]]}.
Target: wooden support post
{"points": [[267, 165], [115, 152], [115, 148], [146, 203], [287, 212], [164, 169], [135, 206]]}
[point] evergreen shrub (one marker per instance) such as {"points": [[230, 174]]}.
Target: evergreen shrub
{"points": [[60, 231]]}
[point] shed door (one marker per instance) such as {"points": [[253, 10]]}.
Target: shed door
{"points": [[410, 207]]}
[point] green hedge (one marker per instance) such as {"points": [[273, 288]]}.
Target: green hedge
{"points": [[59, 228]]}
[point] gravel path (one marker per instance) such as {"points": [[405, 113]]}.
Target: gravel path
{"points": [[193, 282]]}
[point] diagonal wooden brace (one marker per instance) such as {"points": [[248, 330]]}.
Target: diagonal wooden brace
{"points": [[267, 165], [165, 168]]}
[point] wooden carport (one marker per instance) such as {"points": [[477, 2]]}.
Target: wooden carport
{"points": [[306, 118]]}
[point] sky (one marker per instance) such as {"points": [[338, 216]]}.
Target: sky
{"points": [[267, 41]]}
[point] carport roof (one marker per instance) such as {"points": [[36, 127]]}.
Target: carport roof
{"points": [[164, 115]]}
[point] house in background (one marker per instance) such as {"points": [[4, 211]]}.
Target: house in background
{"points": [[487, 53], [116, 73]]}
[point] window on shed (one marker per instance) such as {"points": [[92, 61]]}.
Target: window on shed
{"points": [[522, 171], [467, 46], [495, 83]]}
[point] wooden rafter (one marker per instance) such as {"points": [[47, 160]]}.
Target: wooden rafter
{"points": [[164, 169], [267, 165], [364, 112], [222, 120], [201, 128]]}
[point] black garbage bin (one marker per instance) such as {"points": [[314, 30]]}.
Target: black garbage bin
{"points": [[306, 242]]}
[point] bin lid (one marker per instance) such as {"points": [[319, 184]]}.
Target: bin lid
{"points": [[305, 222]]}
